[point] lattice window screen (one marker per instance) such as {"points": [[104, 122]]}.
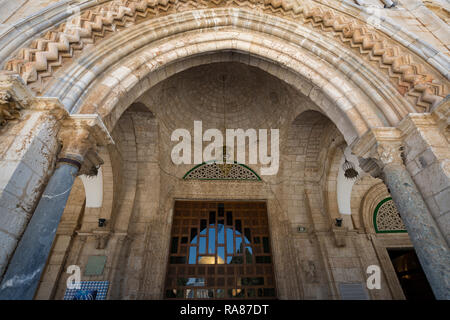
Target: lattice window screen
{"points": [[216, 171], [386, 218]]}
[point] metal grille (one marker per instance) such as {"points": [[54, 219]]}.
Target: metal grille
{"points": [[220, 250], [214, 171], [387, 219]]}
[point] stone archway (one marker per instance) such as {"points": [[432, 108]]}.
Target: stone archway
{"points": [[356, 75]]}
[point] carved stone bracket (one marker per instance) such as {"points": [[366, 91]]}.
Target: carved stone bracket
{"points": [[101, 238], [340, 235], [80, 137]]}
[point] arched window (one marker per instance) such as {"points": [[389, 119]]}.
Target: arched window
{"points": [[386, 218], [216, 171]]}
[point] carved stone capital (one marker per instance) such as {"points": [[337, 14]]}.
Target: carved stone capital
{"points": [[15, 97], [381, 144], [389, 152], [9, 110], [378, 148], [80, 137]]}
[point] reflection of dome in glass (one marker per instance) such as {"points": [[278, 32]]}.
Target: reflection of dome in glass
{"points": [[225, 250], [210, 260]]}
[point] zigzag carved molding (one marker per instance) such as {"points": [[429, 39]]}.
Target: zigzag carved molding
{"points": [[47, 53]]}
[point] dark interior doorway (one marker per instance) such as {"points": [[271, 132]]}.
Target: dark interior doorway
{"points": [[220, 250], [410, 274]]}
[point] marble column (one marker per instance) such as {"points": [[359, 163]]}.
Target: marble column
{"points": [[429, 244], [427, 155], [79, 138], [28, 142], [383, 159], [28, 262]]}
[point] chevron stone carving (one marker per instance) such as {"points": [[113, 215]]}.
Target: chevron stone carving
{"points": [[411, 78]]}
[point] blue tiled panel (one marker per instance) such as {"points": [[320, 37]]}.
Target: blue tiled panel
{"points": [[100, 286]]}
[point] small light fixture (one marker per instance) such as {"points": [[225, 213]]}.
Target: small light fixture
{"points": [[349, 168], [338, 222], [101, 222]]}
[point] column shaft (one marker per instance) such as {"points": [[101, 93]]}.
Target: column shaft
{"points": [[430, 245], [28, 262]]}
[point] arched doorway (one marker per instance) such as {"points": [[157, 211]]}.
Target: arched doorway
{"points": [[220, 250], [329, 56]]}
